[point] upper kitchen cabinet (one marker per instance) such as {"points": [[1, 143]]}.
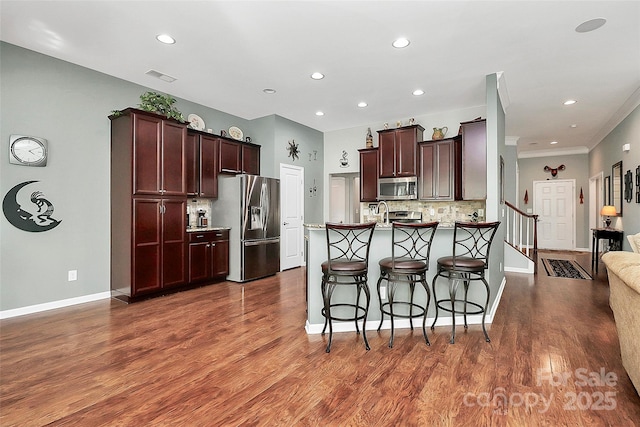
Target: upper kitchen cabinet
{"points": [[238, 157], [202, 165], [158, 150], [368, 174], [398, 151], [473, 179], [437, 168], [251, 159]]}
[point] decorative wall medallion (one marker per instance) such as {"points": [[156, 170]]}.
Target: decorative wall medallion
{"points": [[37, 218], [293, 149]]}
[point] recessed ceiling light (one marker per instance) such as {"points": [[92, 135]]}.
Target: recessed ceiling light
{"points": [[400, 43], [317, 76], [553, 142], [269, 91], [590, 25], [165, 38], [533, 143], [418, 92], [362, 104], [569, 102], [319, 113], [573, 126]]}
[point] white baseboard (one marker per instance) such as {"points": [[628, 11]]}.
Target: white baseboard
{"points": [[443, 320], [5, 314]]}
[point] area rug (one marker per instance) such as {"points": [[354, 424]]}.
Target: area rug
{"points": [[565, 268]]}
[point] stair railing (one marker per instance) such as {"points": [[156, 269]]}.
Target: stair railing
{"points": [[522, 231]]}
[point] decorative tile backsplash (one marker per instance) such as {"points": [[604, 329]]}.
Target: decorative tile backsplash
{"points": [[445, 212], [196, 205]]}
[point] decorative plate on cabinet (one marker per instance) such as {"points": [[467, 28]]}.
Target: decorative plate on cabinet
{"points": [[195, 122], [235, 133]]}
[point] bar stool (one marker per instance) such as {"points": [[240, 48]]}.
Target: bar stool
{"points": [[408, 265], [471, 245], [347, 265]]}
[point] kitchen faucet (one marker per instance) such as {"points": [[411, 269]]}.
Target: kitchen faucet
{"points": [[386, 210]]}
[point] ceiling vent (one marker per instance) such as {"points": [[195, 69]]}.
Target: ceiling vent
{"points": [[161, 76]]}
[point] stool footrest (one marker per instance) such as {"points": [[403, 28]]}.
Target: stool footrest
{"points": [[347, 319], [386, 310], [439, 304]]}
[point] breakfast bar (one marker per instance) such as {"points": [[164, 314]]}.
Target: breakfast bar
{"points": [[442, 245]]}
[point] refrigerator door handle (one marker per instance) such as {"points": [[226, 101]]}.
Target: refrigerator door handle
{"points": [[261, 242]]}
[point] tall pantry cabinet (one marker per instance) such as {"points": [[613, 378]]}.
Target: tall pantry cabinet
{"points": [[148, 204]]}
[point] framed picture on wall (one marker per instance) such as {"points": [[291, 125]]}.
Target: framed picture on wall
{"points": [[607, 190]]}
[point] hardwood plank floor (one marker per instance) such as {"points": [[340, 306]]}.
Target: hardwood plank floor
{"points": [[228, 354]]}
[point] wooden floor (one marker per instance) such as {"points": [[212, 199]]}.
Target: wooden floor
{"points": [[233, 355]]}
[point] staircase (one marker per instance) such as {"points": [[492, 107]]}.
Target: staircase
{"points": [[521, 240]]}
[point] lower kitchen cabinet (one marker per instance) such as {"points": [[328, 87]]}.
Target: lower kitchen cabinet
{"points": [[159, 258], [208, 255]]}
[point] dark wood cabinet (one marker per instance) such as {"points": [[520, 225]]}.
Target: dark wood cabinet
{"points": [[369, 174], [158, 156], [437, 169], [250, 159], [230, 157], [473, 176], [398, 151], [202, 165], [208, 255], [239, 157], [148, 204]]}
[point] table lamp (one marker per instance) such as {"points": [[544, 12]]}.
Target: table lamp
{"points": [[608, 211]]}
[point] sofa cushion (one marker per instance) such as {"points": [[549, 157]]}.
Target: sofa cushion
{"points": [[626, 265]]}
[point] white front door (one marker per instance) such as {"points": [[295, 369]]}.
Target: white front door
{"points": [[554, 205], [292, 216]]}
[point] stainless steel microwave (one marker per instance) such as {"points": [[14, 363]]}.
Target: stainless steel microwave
{"points": [[405, 188]]}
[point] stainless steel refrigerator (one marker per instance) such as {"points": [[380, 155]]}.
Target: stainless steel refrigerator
{"points": [[250, 206]]}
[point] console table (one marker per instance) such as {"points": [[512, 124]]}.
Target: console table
{"points": [[614, 236]]}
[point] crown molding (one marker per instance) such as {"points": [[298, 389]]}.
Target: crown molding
{"points": [[553, 153], [627, 107], [511, 140]]}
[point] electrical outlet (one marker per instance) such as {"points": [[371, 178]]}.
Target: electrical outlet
{"points": [[481, 212], [73, 275], [383, 292], [501, 267], [432, 212]]}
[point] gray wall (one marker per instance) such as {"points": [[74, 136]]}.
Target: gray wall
{"points": [[68, 105], [532, 169], [308, 141], [608, 152]]}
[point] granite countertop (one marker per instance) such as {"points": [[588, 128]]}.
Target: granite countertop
{"points": [[207, 228], [380, 226]]}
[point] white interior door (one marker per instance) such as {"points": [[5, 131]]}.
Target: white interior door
{"points": [[292, 216], [338, 199], [554, 205]]}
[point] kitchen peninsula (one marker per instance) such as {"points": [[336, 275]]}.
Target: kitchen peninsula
{"points": [[381, 247]]}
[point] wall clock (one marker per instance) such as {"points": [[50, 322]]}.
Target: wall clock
{"points": [[28, 150]]}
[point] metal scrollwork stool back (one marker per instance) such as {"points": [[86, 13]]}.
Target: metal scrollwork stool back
{"points": [[408, 265], [471, 245], [347, 265]]}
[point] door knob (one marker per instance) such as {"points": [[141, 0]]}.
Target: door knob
{"points": [[285, 223]]}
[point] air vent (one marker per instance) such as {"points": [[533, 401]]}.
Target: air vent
{"points": [[161, 76]]}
